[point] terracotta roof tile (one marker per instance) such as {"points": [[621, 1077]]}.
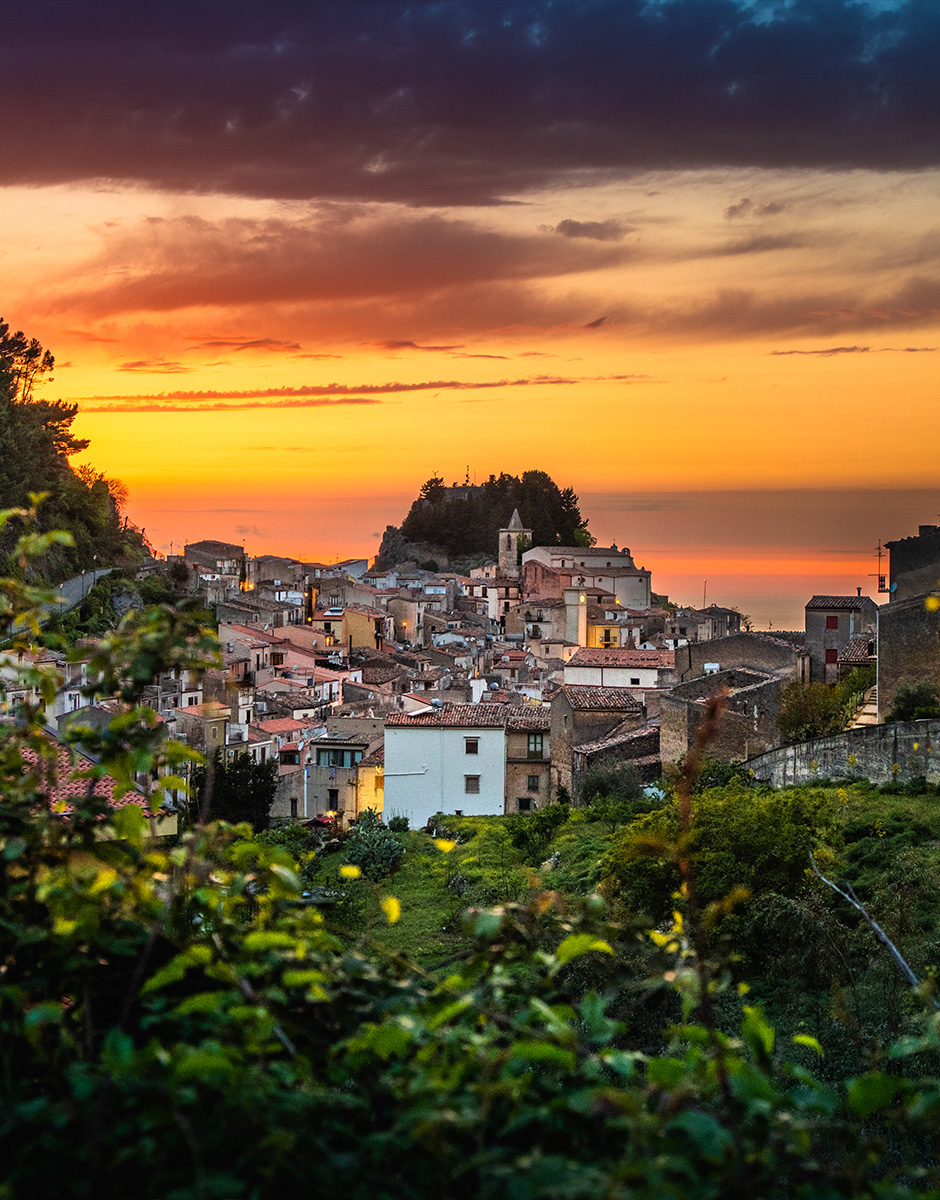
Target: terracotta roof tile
{"points": [[452, 716], [603, 699], [619, 656]]}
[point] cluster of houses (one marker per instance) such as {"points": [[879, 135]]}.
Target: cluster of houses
{"points": [[413, 692]]}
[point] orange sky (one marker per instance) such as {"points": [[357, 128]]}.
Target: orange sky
{"points": [[286, 367]]}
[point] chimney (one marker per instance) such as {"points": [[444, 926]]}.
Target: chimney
{"points": [[859, 591]]}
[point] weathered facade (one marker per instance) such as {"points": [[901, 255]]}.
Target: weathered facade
{"points": [[909, 648], [587, 714], [830, 622]]}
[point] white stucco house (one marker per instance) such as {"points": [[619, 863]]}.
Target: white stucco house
{"points": [[448, 759]]}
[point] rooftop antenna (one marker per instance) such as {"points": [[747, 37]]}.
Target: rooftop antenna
{"points": [[704, 591], [880, 575]]}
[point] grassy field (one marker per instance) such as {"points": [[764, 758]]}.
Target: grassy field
{"points": [[888, 849]]}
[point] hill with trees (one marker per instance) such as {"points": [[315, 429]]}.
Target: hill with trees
{"points": [[36, 443], [463, 521]]}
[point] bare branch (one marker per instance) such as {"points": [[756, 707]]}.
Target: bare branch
{"points": [[879, 933]]}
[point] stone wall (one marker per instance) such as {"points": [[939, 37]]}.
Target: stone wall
{"points": [[908, 649], [740, 650], [748, 723], [881, 753]]}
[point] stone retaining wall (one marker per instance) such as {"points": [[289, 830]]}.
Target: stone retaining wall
{"points": [[881, 753]]}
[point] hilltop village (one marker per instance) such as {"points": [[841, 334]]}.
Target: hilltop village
{"points": [[412, 691]]}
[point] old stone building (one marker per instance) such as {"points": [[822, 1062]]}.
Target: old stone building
{"points": [[586, 714], [830, 622]]}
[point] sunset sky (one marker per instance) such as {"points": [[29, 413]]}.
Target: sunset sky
{"points": [[684, 255]]}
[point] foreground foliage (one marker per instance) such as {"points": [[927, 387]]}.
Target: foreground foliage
{"points": [[177, 1021]]}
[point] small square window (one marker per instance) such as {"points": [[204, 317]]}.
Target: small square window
{"points": [[533, 783], [471, 745], [524, 804], [832, 622], [471, 784], [634, 680]]}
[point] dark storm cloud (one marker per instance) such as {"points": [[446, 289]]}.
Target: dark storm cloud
{"points": [[458, 102]]}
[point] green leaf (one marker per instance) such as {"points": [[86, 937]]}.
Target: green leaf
{"points": [[201, 1064], [804, 1039], [13, 848], [172, 972], [758, 1034], [269, 939], [487, 923], [710, 1139], [870, 1092], [46, 1013], [544, 1052], [580, 943], [449, 1011], [665, 1073], [202, 1002], [130, 824]]}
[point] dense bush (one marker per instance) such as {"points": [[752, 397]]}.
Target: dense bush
{"points": [[915, 702], [372, 847]]}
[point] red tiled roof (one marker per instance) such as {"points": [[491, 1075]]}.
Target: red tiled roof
{"points": [[530, 719], [620, 656], [452, 716], [62, 790], [375, 759], [849, 602], [605, 699], [281, 725]]}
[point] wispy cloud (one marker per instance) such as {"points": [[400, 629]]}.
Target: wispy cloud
{"points": [[830, 351], [323, 395], [155, 366]]}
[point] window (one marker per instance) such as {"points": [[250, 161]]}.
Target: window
{"points": [[332, 797], [832, 622], [190, 700], [536, 745], [634, 680], [471, 785], [524, 804], [471, 745], [458, 812], [533, 783], [832, 656], [293, 807]]}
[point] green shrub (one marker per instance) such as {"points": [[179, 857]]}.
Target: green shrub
{"points": [[915, 702], [375, 850]]}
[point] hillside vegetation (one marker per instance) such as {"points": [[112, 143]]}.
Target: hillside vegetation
{"points": [[804, 953]]}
